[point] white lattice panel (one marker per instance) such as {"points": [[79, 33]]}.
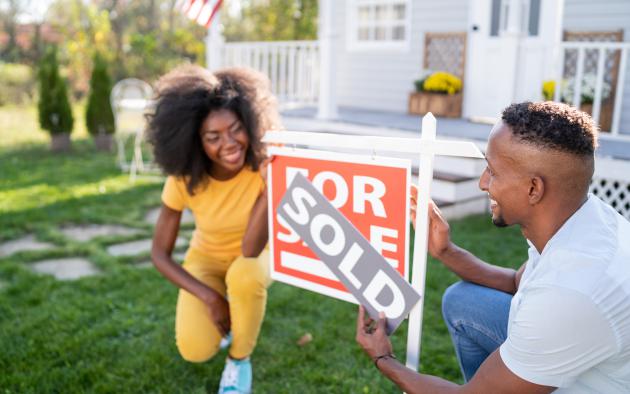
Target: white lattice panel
{"points": [[614, 192], [445, 52]]}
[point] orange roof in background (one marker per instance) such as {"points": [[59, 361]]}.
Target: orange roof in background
{"points": [[26, 32]]}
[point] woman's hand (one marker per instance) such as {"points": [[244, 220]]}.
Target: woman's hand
{"points": [[439, 230], [219, 310], [264, 169]]}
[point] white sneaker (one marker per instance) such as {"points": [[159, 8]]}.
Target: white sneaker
{"points": [[226, 341], [236, 377]]}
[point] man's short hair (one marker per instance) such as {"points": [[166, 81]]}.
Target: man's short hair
{"points": [[552, 125]]}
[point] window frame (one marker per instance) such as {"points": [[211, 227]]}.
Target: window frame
{"points": [[353, 44]]}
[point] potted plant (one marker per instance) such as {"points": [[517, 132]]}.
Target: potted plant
{"points": [[99, 117], [587, 96], [439, 93], [55, 114]]}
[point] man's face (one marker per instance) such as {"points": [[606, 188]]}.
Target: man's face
{"points": [[503, 178]]}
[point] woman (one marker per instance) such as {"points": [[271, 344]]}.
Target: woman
{"points": [[206, 132]]}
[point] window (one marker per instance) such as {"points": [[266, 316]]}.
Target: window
{"points": [[529, 17], [378, 24]]}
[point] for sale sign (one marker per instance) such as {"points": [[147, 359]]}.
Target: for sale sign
{"points": [[340, 246], [370, 192]]}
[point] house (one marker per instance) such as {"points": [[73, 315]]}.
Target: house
{"points": [[370, 52]]}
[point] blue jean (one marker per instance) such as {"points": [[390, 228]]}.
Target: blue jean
{"points": [[477, 318]]}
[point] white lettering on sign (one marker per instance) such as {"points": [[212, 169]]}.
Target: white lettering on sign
{"points": [[361, 195], [377, 233], [379, 282], [349, 261], [289, 237], [338, 242], [299, 196], [341, 188]]}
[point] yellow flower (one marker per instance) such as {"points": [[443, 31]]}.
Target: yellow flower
{"points": [[549, 89], [442, 82]]}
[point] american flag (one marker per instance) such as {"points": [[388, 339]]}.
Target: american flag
{"points": [[201, 11]]}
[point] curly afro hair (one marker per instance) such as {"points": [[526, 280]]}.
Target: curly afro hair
{"points": [[552, 125], [184, 98]]}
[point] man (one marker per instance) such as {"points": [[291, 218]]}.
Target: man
{"points": [[562, 321]]}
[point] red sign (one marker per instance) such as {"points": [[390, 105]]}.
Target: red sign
{"points": [[371, 192]]}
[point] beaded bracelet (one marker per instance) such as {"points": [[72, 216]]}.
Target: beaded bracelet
{"points": [[388, 355]]}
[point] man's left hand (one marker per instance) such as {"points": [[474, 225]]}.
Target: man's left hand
{"points": [[372, 336]]}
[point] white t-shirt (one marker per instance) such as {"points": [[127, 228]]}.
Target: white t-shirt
{"points": [[569, 323]]}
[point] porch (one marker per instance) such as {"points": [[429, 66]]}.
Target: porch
{"points": [[368, 122]]}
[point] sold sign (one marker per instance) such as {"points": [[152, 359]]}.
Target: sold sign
{"points": [[369, 277], [371, 192]]}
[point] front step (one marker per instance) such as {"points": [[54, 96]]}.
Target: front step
{"points": [[451, 187], [461, 209], [454, 188]]}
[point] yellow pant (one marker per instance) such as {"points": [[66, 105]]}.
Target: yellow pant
{"points": [[245, 281]]}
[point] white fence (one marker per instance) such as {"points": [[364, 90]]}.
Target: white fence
{"points": [[611, 183], [592, 77], [292, 67]]}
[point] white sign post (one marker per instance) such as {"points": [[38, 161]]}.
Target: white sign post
{"points": [[427, 147]]}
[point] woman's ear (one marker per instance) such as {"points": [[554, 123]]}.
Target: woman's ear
{"points": [[536, 190]]}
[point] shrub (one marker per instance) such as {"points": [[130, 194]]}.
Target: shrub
{"points": [[440, 82], [18, 84], [99, 117], [55, 114]]}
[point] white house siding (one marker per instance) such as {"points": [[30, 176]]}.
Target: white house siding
{"points": [[589, 15], [382, 79]]}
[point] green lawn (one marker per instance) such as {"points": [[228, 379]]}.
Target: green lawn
{"points": [[115, 332]]}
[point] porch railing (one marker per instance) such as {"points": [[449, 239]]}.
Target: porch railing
{"points": [[292, 67], [592, 77]]}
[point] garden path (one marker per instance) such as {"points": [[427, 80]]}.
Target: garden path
{"points": [[27, 242], [71, 268]]}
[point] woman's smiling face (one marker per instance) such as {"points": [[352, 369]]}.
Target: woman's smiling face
{"points": [[225, 141]]}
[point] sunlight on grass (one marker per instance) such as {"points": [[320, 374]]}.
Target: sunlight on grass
{"points": [[20, 125], [43, 194]]}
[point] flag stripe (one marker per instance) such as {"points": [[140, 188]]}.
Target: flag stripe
{"points": [[201, 11], [214, 11]]}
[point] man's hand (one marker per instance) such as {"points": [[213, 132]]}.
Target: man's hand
{"points": [[439, 230], [219, 313], [372, 336]]}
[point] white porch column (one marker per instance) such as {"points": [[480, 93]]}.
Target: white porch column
{"points": [[214, 44], [327, 103], [551, 29]]}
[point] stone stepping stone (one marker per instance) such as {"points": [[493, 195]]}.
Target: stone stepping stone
{"points": [[136, 247], [144, 265], [152, 216], [65, 269], [83, 233], [25, 243]]}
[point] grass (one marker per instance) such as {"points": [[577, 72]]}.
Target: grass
{"points": [[115, 332]]}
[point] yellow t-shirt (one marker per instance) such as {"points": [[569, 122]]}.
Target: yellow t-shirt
{"points": [[221, 210]]}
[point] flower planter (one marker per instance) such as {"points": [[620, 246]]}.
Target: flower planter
{"points": [[103, 142], [439, 104], [60, 142]]}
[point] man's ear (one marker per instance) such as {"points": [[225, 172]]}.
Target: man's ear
{"points": [[536, 190]]}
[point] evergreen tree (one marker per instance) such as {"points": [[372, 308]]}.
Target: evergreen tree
{"points": [[99, 117], [55, 114]]}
